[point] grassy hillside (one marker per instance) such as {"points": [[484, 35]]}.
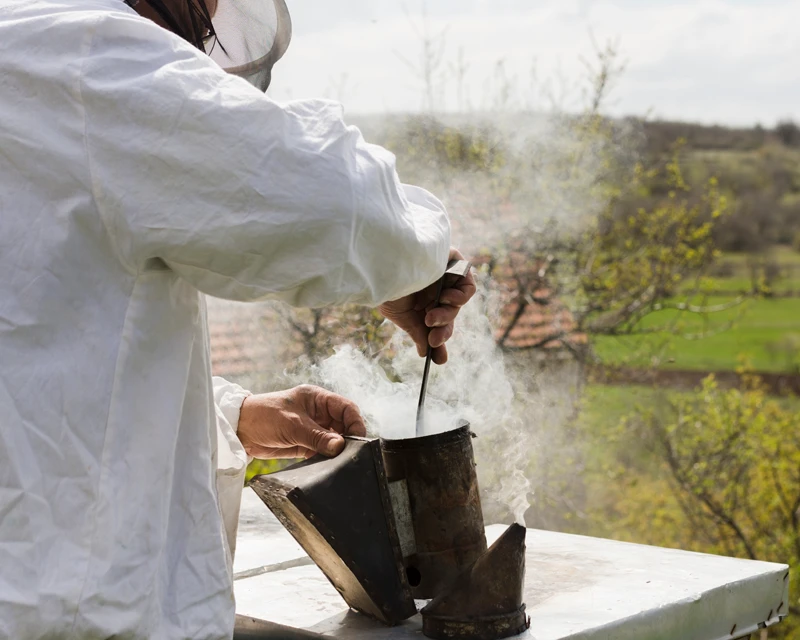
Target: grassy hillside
{"points": [[758, 169], [764, 331]]}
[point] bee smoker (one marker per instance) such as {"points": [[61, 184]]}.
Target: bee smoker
{"points": [[387, 521]]}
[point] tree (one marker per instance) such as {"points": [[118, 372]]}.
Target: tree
{"points": [[788, 133], [319, 331], [732, 458], [623, 266]]}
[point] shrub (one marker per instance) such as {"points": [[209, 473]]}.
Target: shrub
{"points": [[723, 269], [732, 458], [788, 133], [786, 351]]}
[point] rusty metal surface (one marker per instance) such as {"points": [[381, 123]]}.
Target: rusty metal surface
{"points": [[458, 268], [485, 600], [487, 628], [339, 511], [442, 486]]}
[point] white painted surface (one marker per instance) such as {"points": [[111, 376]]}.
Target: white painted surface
{"points": [[576, 588], [262, 540]]}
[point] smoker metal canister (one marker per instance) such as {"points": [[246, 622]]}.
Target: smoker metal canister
{"points": [[444, 505]]}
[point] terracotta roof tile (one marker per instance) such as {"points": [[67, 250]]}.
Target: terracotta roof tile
{"points": [[523, 283], [237, 336]]}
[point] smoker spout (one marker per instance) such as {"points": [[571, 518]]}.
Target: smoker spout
{"points": [[485, 600]]}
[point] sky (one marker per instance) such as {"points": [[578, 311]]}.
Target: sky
{"points": [[733, 62]]}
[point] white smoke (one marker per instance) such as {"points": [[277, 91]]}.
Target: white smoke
{"points": [[457, 390], [472, 386]]}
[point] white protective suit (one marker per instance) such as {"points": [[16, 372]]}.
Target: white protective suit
{"points": [[134, 175]]}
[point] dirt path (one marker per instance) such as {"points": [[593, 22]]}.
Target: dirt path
{"points": [[777, 383]]}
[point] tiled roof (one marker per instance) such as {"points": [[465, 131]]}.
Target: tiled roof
{"points": [[531, 316], [240, 338]]}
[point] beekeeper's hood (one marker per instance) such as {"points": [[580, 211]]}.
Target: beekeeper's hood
{"points": [[245, 37], [250, 37]]}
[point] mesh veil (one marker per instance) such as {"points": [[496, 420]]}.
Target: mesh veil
{"points": [[251, 36]]}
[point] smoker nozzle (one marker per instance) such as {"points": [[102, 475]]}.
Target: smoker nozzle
{"points": [[485, 600]]}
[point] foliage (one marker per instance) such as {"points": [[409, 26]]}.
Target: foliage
{"points": [[264, 467], [661, 136], [319, 331], [762, 185], [788, 133], [755, 170], [631, 267], [733, 458], [424, 144]]}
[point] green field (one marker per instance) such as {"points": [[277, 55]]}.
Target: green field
{"points": [[775, 272], [609, 404], [784, 256], [764, 331]]}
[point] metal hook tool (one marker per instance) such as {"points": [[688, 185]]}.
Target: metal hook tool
{"points": [[458, 268]]}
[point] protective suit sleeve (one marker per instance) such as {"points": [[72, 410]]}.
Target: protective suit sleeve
{"points": [[232, 459], [245, 198]]}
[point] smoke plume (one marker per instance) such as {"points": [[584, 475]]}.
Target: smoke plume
{"points": [[472, 386]]}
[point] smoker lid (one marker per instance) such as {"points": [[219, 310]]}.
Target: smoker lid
{"points": [[251, 36], [427, 442]]}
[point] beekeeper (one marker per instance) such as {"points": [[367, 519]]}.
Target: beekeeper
{"points": [[137, 174]]}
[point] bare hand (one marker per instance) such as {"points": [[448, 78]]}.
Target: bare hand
{"points": [[428, 325], [297, 423]]}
